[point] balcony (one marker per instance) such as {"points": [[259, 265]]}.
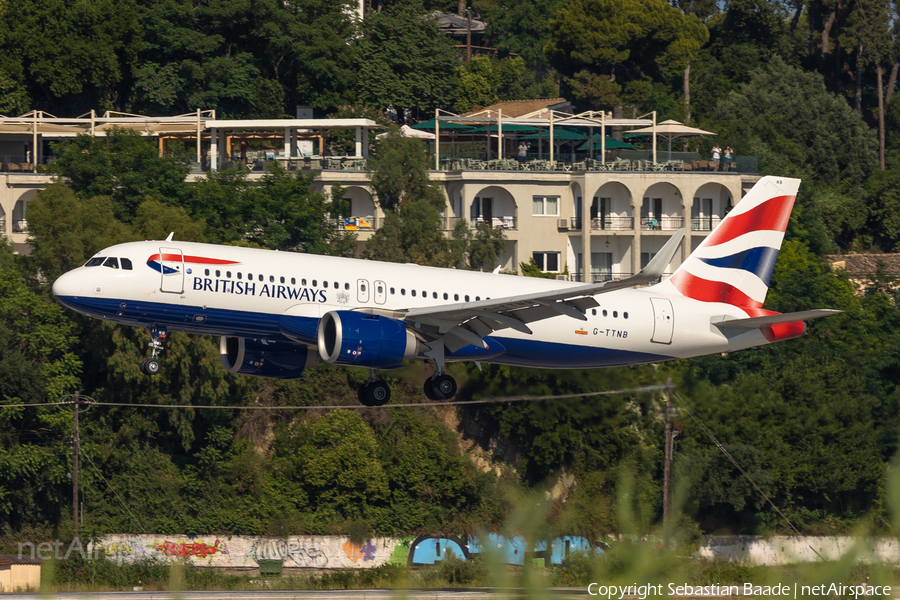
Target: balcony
{"points": [[357, 223], [705, 223], [505, 222], [606, 223], [663, 224], [20, 226]]}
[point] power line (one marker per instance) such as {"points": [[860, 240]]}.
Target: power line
{"points": [[647, 388], [100, 473], [744, 473]]}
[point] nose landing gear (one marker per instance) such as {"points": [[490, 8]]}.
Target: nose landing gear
{"points": [[158, 337]]}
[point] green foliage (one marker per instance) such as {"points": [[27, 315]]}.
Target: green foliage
{"points": [[635, 38], [531, 269], [124, 167], [404, 60]]}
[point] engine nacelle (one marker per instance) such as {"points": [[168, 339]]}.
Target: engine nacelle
{"points": [[364, 340], [277, 360]]}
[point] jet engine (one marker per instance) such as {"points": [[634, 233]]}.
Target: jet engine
{"points": [[364, 340], [263, 358]]}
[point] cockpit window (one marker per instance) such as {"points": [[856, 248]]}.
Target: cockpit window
{"points": [[112, 262], [126, 264], [95, 262]]}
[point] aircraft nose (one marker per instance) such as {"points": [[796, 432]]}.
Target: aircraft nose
{"points": [[67, 285]]}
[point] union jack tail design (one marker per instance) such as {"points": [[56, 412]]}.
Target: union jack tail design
{"points": [[734, 263]]}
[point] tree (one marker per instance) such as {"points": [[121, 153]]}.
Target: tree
{"points": [[404, 61], [72, 56], [631, 39], [125, 167], [279, 212]]}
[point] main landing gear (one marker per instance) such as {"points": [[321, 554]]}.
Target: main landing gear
{"points": [[374, 392], [440, 386], [158, 336]]}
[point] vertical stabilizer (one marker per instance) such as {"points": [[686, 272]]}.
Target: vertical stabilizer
{"points": [[734, 263]]}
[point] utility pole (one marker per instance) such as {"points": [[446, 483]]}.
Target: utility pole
{"points": [[667, 468], [75, 470]]}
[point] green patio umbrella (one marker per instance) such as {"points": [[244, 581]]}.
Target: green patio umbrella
{"points": [[611, 144], [558, 134], [429, 125], [511, 128]]}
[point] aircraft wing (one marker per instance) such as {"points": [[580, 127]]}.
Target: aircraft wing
{"points": [[756, 322], [459, 325]]}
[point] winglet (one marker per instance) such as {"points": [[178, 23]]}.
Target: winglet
{"points": [[171, 235]]}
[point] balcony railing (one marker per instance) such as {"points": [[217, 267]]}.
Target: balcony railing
{"points": [[705, 223], [20, 226], [357, 223], [2, 225], [505, 222], [662, 224], [606, 223], [639, 161]]}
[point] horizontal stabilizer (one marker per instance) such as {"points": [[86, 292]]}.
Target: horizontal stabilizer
{"points": [[724, 322]]}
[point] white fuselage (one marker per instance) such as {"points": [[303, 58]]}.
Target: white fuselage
{"points": [[242, 292]]}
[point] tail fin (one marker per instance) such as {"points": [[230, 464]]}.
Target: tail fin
{"points": [[734, 263]]}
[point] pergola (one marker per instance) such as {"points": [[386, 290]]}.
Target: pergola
{"points": [[292, 129], [588, 119]]}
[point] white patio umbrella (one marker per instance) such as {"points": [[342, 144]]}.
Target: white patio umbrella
{"points": [[410, 132], [673, 130]]}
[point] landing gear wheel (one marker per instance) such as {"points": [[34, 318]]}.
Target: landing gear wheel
{"points": [[150, 366], [377, 393], [444, 387], [429, 389]]}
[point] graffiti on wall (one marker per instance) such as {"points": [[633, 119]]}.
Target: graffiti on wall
{"points": [[427, 550], [313, 552]]}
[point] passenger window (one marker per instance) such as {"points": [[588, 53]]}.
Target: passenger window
{"points": [[126, 264], [281, 279], [228, 274], [467, 298], [403, 292], [94, 262], [604, 312], [477, 298], [337, 285], [314, 283], [324, 283], [249, 276], [392, 291], [434, 295], [615, 314], [362, 288], [302, 282], [272, 279], [380, 290], [413, 292], [625, 315], [293, 281], [112, 262], [346, 286], [206, 272], [446, 296], [218, 273], [456, 296], [594, 311]]}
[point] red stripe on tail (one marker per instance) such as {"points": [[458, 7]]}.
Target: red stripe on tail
{"points": [[711, 291], [771, 215]]}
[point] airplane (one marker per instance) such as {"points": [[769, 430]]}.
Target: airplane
{"points": [[279, 314]]}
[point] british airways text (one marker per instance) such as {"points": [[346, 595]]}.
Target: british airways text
{"points": [[247, 288]]}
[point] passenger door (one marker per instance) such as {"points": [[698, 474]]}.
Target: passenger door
{"points": [[663, 320], [380, 292], [171, 263]]}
